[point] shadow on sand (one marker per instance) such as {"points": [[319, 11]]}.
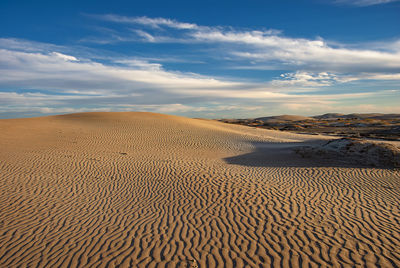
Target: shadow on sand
{"points": [[269, 154]]}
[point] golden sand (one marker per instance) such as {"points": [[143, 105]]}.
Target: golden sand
{"points": [[146, 190]]}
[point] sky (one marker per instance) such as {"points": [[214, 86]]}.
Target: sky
{"points": [[210, 59]]}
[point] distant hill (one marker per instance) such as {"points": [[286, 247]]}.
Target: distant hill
{"points": [[290, 119], [355, 125], [356, 116], [329, 116], [284, 118]]}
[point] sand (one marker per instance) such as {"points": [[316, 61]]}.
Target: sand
{"points": [[147, 190]]}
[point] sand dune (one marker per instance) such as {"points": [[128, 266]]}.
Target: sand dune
{"points": [[146, 190]]}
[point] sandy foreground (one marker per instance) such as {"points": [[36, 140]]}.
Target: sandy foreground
{"points": [[150, 190]]}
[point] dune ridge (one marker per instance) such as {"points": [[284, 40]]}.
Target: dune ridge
{"points": [[146, 190]]}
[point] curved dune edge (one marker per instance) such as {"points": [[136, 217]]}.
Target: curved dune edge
{"points": [[140, 189]]}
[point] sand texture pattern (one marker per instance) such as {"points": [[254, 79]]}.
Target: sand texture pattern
{"points": [[150, 190]]}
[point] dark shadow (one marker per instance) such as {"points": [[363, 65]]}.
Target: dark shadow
{"points": [[270, 154]]}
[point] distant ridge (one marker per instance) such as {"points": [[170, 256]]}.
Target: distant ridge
{"points": [[355, 125], [357, 116], [328, 116], [280, 118]]}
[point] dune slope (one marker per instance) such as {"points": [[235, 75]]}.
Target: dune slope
{"points": [[143, 189]]}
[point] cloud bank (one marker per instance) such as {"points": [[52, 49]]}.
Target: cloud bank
{"points": [[314, 74]]}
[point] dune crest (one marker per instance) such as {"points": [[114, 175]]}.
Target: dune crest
{"points": [[140, 189]]}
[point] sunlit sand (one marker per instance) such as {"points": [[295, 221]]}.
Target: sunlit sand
{"points": [[140, 189]]}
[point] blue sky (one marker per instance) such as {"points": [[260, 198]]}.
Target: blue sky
{"points": [[199, 58]]}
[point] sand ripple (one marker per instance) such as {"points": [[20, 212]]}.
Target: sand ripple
{"points": [[147, 190]]}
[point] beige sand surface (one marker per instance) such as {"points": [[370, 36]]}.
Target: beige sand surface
{"points": [[150, 190]]}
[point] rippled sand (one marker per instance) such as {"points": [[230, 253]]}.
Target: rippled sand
{"points": [[143, 189]]}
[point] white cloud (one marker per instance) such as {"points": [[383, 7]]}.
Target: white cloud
{"points": [[64, 57], [309, 80], [309, 54], [148, 37], [370, 76], [49, 71], [140, 64], [305, 79], [25, 45]]}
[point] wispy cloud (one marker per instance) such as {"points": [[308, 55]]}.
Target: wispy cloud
{"points": [[267, 49], [150, 22], [306, 54], [364, 2]]}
